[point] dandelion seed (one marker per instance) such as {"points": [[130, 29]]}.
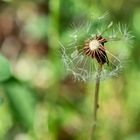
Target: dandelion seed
{"points": [[87, 50]]}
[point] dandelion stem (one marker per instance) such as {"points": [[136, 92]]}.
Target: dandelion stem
{"points": [[96, 103]]}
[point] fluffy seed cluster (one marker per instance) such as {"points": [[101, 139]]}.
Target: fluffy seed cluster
{"points": [[86, 51]]}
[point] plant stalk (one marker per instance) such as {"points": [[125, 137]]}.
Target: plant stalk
{"points": [[96, 103]]}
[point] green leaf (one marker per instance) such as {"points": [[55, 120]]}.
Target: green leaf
{"points": [[4, 69], [22, 102]]}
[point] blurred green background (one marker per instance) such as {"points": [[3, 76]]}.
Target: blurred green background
{"points": [[38, 101]]}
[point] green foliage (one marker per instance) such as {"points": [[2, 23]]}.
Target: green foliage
{"points": [[21, 102]]}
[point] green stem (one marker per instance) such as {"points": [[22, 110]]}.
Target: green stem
{"points": [[96, 102]]}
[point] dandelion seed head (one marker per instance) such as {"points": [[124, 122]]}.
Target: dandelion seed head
{"points": [[86, 51]]}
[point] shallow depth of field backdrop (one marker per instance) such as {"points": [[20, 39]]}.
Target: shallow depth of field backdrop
{"points": [[38, 101]]}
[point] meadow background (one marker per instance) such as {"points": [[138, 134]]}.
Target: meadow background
{"points": [[38, 101]]}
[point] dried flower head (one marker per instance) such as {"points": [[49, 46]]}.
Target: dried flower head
{"points": [[95, 48], [86, 50]]}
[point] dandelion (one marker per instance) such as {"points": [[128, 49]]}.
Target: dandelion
{"points": [[87, 55], [88, 39]]}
